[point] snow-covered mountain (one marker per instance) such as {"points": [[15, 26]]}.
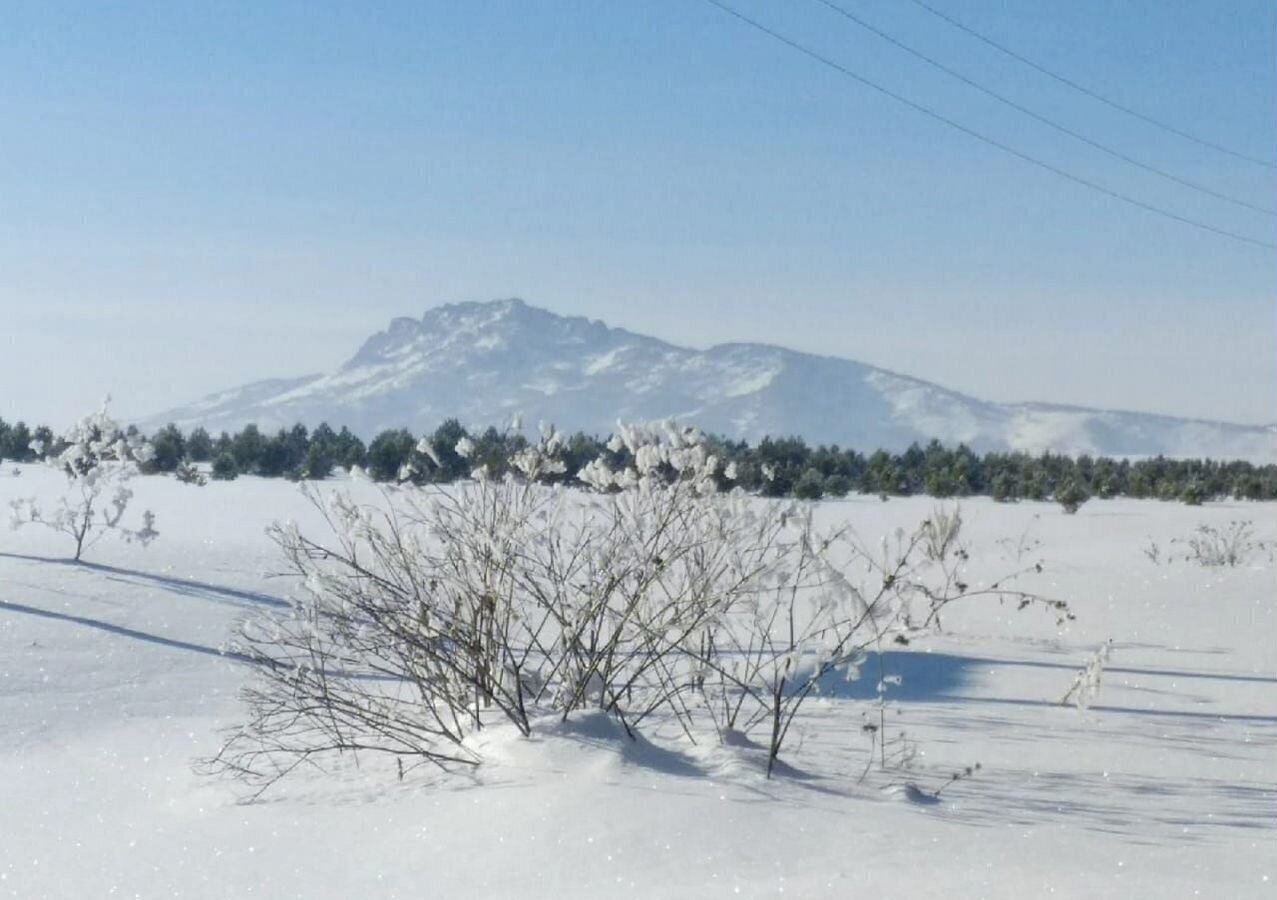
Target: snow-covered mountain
{"points": [[484, 362]]}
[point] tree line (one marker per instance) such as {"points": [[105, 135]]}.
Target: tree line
{"points": [[774, 467]]}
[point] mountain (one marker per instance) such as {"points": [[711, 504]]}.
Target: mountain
{"points": [[485, 362]]}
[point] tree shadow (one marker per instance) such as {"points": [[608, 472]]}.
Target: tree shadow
{"points": [[925, 675], [126, 632], [921, 676], [188, 587], [1134, 808]]}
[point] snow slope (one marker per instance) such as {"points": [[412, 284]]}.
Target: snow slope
{"points": [[111, 682], [483, 362]]}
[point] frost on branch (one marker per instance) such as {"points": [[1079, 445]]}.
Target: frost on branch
{"points": [[651, 590], [98, 459]]}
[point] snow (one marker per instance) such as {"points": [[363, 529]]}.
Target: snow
{"points": [[604, 361], [112, 683], [752, 382]]}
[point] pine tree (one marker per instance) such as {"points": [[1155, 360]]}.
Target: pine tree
{"points": [[318, 463], [837, 485], [247, 448], [199, 446], [1193, 494], [449, 465], [810, 485], [1003, 488], [225, 468], [1071, 496], [389, 453], [169, 449]]}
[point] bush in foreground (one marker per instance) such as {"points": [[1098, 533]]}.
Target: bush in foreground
{"points": [[647, 593]]}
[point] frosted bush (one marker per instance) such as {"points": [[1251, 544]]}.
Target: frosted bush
{"points": [[642, 590], [1232, 545], [98, 459]]}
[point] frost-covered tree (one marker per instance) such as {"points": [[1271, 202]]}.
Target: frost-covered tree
{"points": [[98, 458]]}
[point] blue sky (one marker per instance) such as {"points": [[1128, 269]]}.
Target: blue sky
{"points": [[196, 196]]}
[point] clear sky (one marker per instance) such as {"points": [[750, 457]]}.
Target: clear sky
{"points": [[195, 196]]}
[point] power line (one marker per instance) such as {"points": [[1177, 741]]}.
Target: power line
{"points": [[1063, 129], [983, 138], [1094, 95]]}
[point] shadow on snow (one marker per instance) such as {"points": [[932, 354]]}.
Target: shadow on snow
{"points": [[184, 586], [922, 676], [124, 632]]}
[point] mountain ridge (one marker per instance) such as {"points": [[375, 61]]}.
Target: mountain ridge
{"points": [[482, 362]]}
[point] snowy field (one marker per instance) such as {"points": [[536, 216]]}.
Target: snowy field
{"points": [[112, 683]]}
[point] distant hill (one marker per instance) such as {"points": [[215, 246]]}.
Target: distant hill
{"points": [[484, 362]]}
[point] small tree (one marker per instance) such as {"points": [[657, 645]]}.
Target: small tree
{"points": [[1193, 494], [837, 486], [98, 458], [188, 473], [391, 453], [810, 485], [1071, 496], [318, 463], [169, 449], [199, 446], [225, 468], [15, 443], [247, 447], [1003, 489]]}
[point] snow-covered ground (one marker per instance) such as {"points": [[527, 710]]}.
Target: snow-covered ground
{"points": [[111, 684]]}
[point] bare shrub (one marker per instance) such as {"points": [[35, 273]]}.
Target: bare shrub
{"points": [[829, 600], [1233, 545], [940, 534], [1024, 545], [644, 590], [402, 636]]}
